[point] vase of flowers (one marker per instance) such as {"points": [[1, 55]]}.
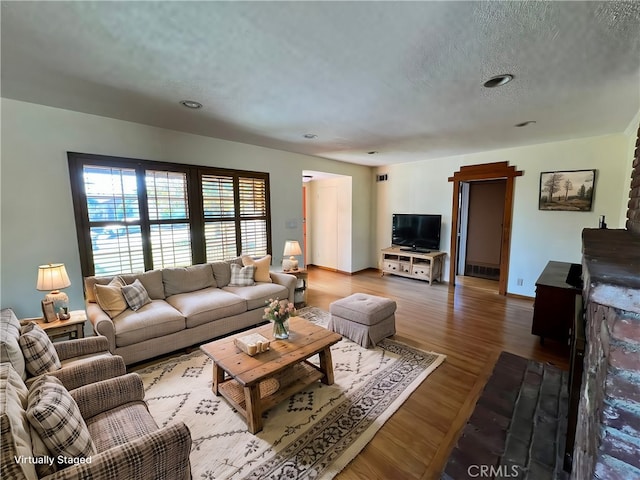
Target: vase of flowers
{"points": [[279, 312]]}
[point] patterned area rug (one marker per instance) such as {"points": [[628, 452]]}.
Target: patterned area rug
{"points": [[313, 434]]}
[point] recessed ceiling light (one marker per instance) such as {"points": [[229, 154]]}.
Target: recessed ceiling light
{"points": [[524, 124], [372, 152], [498, 80], [191, 104], [310, 136]]}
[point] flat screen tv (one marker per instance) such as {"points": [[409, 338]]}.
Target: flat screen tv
{"points": [[417, 232]]}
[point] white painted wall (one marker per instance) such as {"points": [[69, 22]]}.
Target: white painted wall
{"points": [[537, 236], [37, 223]]}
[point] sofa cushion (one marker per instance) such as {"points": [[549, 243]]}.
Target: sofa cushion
{"points": [[242, 276], [16, 437], [262, 267], [120, 425], [187, 279], [222, 271], [258, 295], [152, 281], [135, 295], [155, 319], [56, 417], [10, 350], [110, 297], [206, 305], [40, 356]]}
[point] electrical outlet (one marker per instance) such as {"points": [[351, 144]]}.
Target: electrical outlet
{"points": [[520, 282]]}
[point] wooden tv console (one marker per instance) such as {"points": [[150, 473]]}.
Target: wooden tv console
{"points": [[422, 266]]}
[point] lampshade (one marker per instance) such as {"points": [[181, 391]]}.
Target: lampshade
{"points": [[52, 277], [292, 247]]}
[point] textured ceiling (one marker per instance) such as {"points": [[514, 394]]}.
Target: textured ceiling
{"points": [[400, 78]]}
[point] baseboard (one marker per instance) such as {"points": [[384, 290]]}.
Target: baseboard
{"points": [[328, 269], [522, 297]]}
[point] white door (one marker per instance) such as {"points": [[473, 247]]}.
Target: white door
{"points": [[325, 240]]}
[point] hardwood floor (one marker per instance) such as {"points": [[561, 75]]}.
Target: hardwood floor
{"points": [[471, 326]]}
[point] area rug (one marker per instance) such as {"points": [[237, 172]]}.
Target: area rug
{"points": [[313, 434]]}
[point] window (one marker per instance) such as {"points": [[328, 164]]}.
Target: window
{"points": [[135, 215]]}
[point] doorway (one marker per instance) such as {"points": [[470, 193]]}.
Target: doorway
{"points": [[473, 173], [480, 228], [328, 220]]}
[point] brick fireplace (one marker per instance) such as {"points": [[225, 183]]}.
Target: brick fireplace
{"points": [[607, 442]]}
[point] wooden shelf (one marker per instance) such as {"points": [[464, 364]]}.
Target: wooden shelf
{"points": [[274, 390]]}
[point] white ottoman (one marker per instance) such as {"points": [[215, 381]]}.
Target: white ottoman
{"points": [[365, 319]]}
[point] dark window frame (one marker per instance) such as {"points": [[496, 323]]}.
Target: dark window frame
{"points": [[77, 162]]}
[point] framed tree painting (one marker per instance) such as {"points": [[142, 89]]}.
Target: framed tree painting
{"points": [[568, 190]]}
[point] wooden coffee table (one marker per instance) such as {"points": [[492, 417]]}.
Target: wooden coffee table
{"points": [[255, 384]]}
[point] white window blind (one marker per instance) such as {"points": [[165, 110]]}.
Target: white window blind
{"points": [[114, 219], [168, 206]]}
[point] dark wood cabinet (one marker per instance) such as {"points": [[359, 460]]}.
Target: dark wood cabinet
{"points": [[554, 306]]}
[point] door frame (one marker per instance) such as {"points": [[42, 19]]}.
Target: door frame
{"points": [[486, 171]]}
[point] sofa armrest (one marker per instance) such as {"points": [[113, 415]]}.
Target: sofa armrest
{"points": [[92, 371], [102, 324], [162, 454], [99, 397], [285, 280], [81, 346]]}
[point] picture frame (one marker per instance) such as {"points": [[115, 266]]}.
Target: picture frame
{"points": [[48, 311], [567, 190]]}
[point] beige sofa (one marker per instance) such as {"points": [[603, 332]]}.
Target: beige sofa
{"points": [[188, 306]]}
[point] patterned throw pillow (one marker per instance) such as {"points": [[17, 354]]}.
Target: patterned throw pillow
{"points": [[55, 415], [110, 297], [242, 276], [136, 295], [262, 267], [40, 356]]}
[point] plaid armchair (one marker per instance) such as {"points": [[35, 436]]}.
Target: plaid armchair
{"points": [[85, 361], [125, 440], [74, 362]]}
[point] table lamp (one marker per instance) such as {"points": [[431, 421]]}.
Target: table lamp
{"points": [[291, 247], [52, 278]]}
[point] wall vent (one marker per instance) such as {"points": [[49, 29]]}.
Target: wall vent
{"points": [[382, 177]]}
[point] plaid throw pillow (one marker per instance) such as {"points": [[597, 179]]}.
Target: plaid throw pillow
{"points": [[40, 356], [55, 415], [136, 295], [242, 276]]}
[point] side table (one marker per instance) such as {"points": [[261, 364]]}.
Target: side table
{"points": [[300, 295], [73, 327]]}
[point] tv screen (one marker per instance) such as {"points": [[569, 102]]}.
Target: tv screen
{"points": [[418, 232]]}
